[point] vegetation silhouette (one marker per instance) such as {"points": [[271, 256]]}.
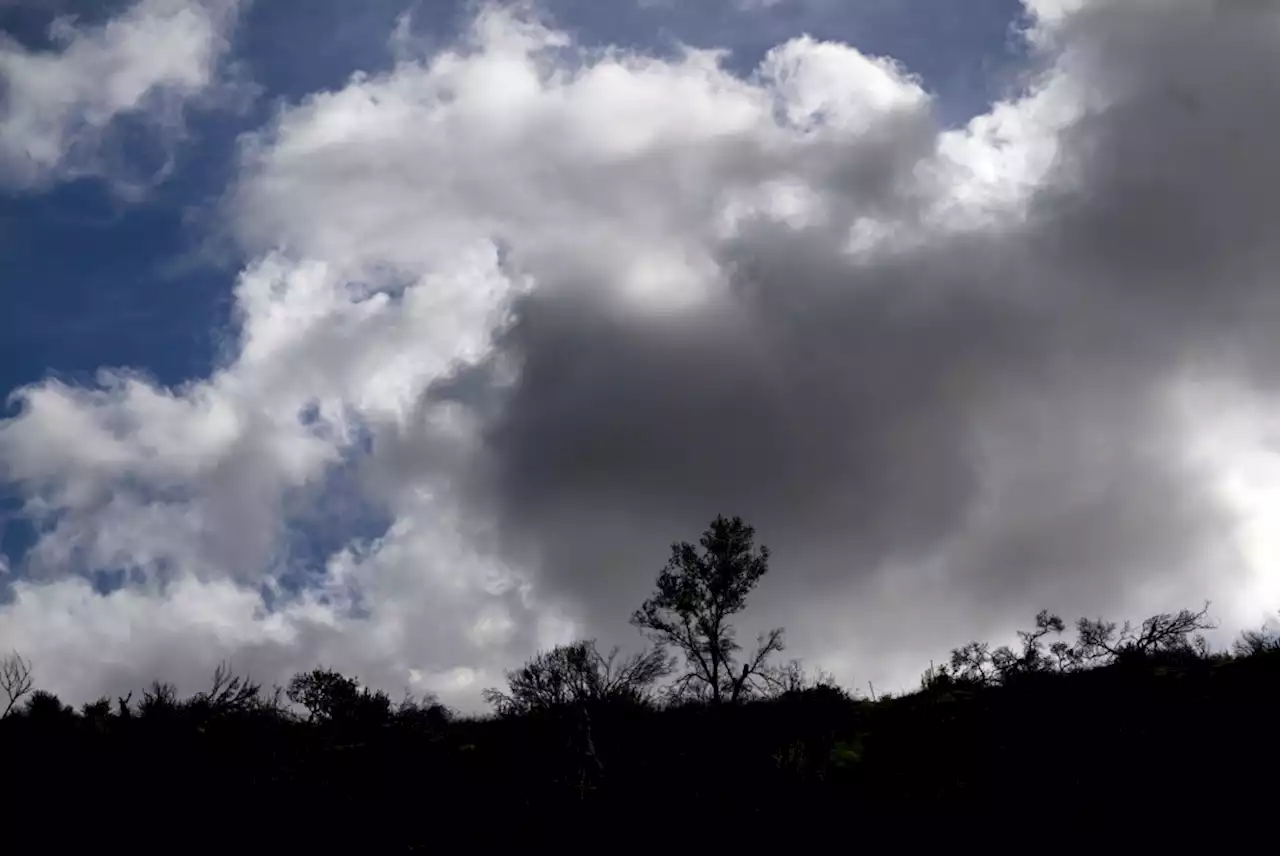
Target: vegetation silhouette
{"points": [[697, 592], [696, 747], [578, 674]]}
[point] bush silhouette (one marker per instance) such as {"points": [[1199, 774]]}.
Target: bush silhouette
{"points": [[579, 674], [1111, 727]]}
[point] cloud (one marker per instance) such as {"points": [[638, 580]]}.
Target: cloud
{"points": [[196, 495], [542, 307], [61, 105]]}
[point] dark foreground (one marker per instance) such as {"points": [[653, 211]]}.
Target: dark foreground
{"points": [[1183, 745]]}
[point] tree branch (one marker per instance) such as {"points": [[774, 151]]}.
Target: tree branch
{"points": [[15, 680]]}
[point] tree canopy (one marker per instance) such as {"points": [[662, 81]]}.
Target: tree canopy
{"points": [[699, 590]]}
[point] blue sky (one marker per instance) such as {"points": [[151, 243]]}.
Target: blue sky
{"points": [[406, 336]]}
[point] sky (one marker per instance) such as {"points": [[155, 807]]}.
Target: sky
{"points": [[405, 337]]}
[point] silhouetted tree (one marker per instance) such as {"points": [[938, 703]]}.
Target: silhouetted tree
{"points": [[1253, 642], [228, 693], [1006, 663], [977, 663], [1033, 657], [697, 592], [324, 693], [1165, 633], [46, 708], [1098, 642], [791, 678], [971, 663], [96, 713], [160, 699], [15, 680], [330, 696], [426, 711], [578, 672]]}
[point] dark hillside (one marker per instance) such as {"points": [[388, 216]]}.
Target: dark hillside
{"points": [[1162, 731]]}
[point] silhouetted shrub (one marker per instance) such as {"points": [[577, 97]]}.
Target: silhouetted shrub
{"points": [[1052, 731], [578, 673]]}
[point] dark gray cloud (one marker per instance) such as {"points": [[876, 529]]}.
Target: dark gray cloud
{"points": [[984, 417]]}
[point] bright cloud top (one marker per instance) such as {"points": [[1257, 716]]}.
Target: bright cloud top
{"points": [[545, 306]]}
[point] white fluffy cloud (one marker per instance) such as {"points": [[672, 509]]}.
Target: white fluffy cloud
{"points": [[193, 493], [411, 224], [148, 62], [610, 167]]}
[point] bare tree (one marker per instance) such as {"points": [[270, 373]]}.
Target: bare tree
{"points": [[1165, 633], [973, 664], [791, 678], [978, 663], [15, 680], [160, 699], [633, 677], [1066, 657], [1033, 657], [228, 693], [579, 672], [697, 592]]}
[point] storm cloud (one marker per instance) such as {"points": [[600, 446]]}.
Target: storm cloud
{"points": [[978, 408]]}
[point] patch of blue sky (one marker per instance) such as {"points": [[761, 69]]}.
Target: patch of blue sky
{"points": [[327, 517], [28, 21]]}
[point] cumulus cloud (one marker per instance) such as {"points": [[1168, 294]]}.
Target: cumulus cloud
{"points": [[60, 105], [541, 307], [194, 495]]}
